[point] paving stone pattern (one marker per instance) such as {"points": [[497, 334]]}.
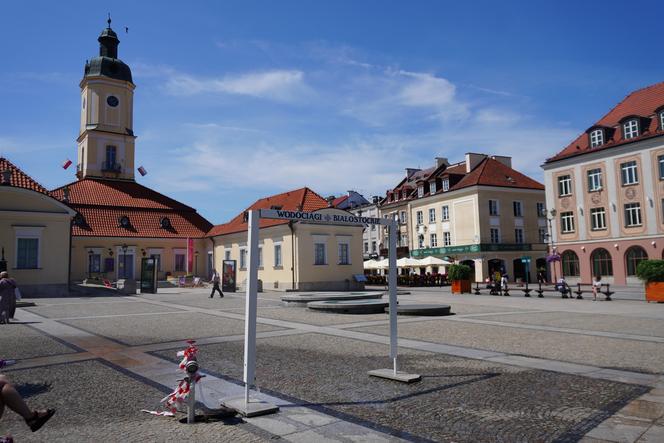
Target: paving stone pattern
{"points": [[19, 341], [99, 309], [458, 399], [96, 403]]}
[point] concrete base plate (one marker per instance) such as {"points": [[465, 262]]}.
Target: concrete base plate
{"points": [[349, 306], [399, 376], [422, 309], [254, 408]]}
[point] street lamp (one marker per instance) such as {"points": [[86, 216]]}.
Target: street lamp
{"points": [[550, 216], [90, 252], [124, 261]]}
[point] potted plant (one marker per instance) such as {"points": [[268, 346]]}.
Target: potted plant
{"points": [[652, 274], [460, 277]]}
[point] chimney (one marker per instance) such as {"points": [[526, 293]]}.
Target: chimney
{"points": [[472, 160], [330, 199], [375, 199], [411, 171], [507, 161], [442, 161]]}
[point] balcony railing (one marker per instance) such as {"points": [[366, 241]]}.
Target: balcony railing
{"points": [[111, 167]]}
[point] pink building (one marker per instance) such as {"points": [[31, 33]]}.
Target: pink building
{"points": [[606, 190]]}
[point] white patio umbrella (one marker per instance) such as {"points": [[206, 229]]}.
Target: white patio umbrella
{"points": [[433, 261], [382, 264], [371, 264], [407, 262]]}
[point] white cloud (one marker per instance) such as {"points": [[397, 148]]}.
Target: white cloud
{"points": [[278, 85]]}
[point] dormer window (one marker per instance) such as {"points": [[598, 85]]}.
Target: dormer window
{"points": [[432, 187], [446, 184], [631, 129], [165, 223], [596, 138], [420, 191], [124, 221], [661, 120]]}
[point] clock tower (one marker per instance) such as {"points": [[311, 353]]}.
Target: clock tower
{"points": [[106, 137]]}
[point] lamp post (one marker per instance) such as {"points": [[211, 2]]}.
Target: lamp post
{"points": [[124, 261], [550, 216], [90, 252]]}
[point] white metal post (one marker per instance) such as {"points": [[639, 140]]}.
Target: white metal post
{"points": [[191, 407], [250, 307], [392, 280]]}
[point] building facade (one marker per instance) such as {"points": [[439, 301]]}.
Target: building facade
{"points": [[372, 237], [119, 221], [34, 234], [482, 213], [607, 190], [293, 255]]}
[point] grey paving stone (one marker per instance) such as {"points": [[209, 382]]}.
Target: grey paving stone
{"points": [[653, 435], [619, 430], [97, 309], [21, 341]]}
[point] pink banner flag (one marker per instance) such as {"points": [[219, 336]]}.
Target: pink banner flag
{"points": [[190, 255]]}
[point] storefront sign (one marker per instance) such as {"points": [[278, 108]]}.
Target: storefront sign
{"points": [[482, 247]]}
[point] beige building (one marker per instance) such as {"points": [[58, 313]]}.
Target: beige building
{"points": [[294, 255], [480, 212], [607, 190], [34, 234]]}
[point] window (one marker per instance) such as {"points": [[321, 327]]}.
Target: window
{"points": [[320, 254], [447, 239], [597, 219], [420, 241], [493, 207], [594, 179], [631, 129], [260, 256], [227, 254], [157, 259], [433, 241], [567, 222], [517, 206], [661, 120], [541, 209], [564, 185], [111, 157], [601, 264], [432, 215], [373, 246], [366, 247], [243, 258], [373, 227], [596, 138], [634, 256], [660, 164], [432, 187], [629, 173], [404, 239], [446, 184], [403, 217], [94, 262], [344, 254], [420, 218], [420, 191], [495, 235], [542, 235], [277, 255], [518, 235], [445, 213], [633, 214], [180, 262], [570, 262]]}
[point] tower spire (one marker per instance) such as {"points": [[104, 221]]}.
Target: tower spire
{"points": [[108, 41], [109, 20]]}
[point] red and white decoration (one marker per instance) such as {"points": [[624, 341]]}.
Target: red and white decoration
{"points": [[178, 397]]}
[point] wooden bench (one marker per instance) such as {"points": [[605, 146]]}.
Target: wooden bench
{"points": [[607, 292]]}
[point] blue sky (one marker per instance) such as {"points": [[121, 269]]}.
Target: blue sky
{"points": [[240, 99]]}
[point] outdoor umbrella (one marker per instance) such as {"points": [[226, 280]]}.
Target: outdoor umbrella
{"points": [[370, 264], [433, 261], [407, 262]]}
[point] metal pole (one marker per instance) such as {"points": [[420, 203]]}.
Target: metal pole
{"points": [[250, 306], [191, 407], [392, 281]]}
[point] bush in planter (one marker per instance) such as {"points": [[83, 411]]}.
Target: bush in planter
{"points": [[651, 271], [458, 272]]}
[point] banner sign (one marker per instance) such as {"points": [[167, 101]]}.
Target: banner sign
{"points": [[482, 247], [318, 217]]}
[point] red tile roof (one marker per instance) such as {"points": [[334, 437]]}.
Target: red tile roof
{"points": [[19, 178], [642, 102], [102, 202], [339, 200], [303, 199], [491, 172]]}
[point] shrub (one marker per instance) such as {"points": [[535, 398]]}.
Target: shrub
{"points": [[651, 271], [459, 272]]}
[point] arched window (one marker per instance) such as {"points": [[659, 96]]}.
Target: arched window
{"points": [[633, 257], [570, 263], [601, 263]]}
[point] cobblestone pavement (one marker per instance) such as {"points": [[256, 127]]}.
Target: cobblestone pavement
{"points": [[100, 360]]}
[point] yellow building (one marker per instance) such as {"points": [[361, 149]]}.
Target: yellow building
{"points": [[34, 234], [294, 255], [480, 212], [118, 220]]}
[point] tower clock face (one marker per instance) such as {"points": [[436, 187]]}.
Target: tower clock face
{"points": [[112, 101]]}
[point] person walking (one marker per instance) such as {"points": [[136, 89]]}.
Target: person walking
{"points": [[597, 286], [9, 396], [7, 297], [216, 279]]}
